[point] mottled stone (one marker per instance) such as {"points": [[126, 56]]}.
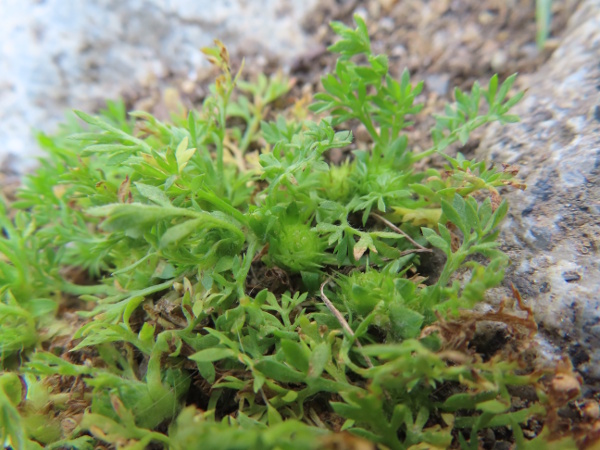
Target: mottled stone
{"points": [[552, 232]]}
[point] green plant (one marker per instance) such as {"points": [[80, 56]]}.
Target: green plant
{"points": [[234, 298], [543, 16]]}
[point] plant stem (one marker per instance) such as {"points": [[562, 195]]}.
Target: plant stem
{"points": [[398, 230], [341, 320]]}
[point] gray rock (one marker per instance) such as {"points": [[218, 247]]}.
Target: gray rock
{"points": [[553, 230], [57, 55], [437, 83]]}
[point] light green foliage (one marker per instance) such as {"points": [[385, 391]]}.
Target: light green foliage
{"points": [[543, 16], [203, 259]]}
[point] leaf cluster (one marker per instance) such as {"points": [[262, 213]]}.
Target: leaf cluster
{"points": [[234, 289]]}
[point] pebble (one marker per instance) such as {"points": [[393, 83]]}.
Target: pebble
{"points": [[437, 83]]}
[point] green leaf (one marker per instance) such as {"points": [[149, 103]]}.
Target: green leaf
{"points": [[492, 89], [178, 232], [223, 339], [406, 323], [463, 135], [435, 240], [506, 419], [207, 371], [365, 242], [134, 219], [466, 400], [543, 15], [498, 215], [513, 101], [273, 416], [453, 216], [12, 428], [423, 190], [153, 193], [10, 384], [183, 154], [471, 216], [109, 148], [295, 355], [120, 134], [279, 372], [212, 354], [319, 358], [101, 333], [505, 88], [146, 334], [445, 233], [494, 406], [362, 30], [509, 118]]}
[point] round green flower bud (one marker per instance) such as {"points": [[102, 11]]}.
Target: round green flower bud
{"points": [[336, 182], [363, 291], [297, 248]]}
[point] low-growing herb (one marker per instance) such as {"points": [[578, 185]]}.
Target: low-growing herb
{"points": [[215, 282]]}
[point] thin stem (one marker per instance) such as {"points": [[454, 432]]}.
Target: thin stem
{"points": [[415, 250], [341, 319], [246, 264], [398, 230], [219, 143], [251, 128], [222, 205], [250, 252], [368, 123], [424, 154]]}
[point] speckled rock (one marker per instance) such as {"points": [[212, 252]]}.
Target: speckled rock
{"points": [[61, 54], [553, 230]]}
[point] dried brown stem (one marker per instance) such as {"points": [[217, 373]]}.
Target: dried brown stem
{"points": [[399, 231], [416, 250], [341, 320]]}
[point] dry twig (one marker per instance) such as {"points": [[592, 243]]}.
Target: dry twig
{"points": [[341, 320], [399, 231]]}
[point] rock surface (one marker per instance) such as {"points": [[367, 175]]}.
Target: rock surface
{"points": [[57, 55], [553, 230]]}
